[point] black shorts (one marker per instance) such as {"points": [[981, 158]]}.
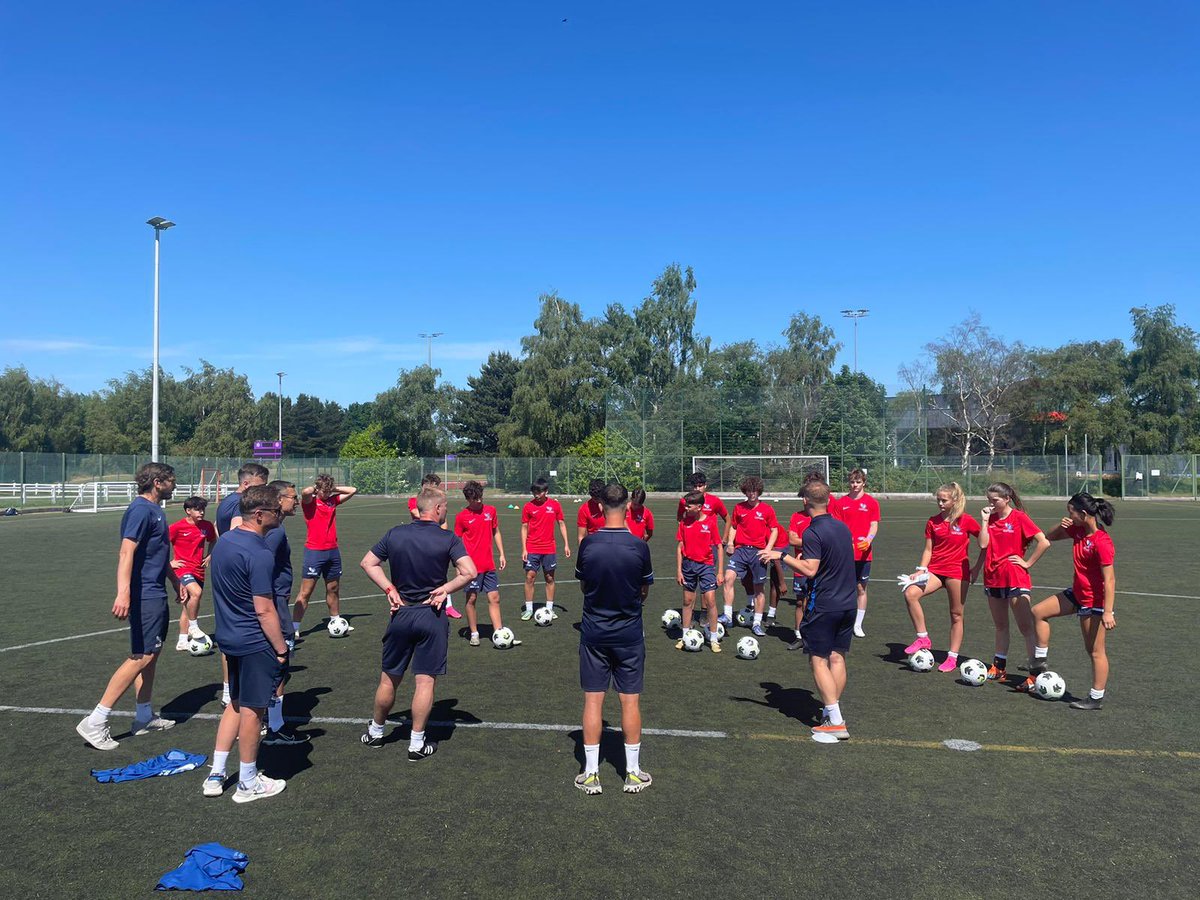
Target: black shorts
{"points": [[828, 632], [862, 570], [623, 667], [147, 625], [255, 678], [1080, 610], [418, 636]]}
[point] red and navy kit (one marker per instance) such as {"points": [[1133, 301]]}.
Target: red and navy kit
{"points": [[540, 519], [477, 530], [713, 505], [187, 541], [320, 515], [754, 524], [1008, 537], [591, 516], [699, 537], [639, 522], [1090, 552], [858, 515], [949, 542]]}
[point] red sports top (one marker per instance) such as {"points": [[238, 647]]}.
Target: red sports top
{"points": [[637, 523], [754, 524], [478, 530], [798, 523], [321, 518], [1090, 552], [713, 505], [540, 517], [591, 516], [1006, 537], [699, 537], [412, 505], [949, 545], [187, 544], [858, 516]]}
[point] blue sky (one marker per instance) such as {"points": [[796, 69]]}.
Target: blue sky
{"points": [[345, 176]]}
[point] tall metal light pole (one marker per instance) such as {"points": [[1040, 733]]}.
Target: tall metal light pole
{"points": [[855, 314], [159, 224], [429, 336], [281, 374]]}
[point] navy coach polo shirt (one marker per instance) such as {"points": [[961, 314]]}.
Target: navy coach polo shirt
{"points": [[613, 565]]}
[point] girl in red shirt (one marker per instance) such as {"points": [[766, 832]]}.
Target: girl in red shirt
{"points": [[1092, 596], [1006, 534], [944, 561]]}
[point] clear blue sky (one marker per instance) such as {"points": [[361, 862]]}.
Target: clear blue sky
{"points": [[344, 176]]}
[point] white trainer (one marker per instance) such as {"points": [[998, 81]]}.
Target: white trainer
{"points": [[154, 723], [858, 632], [261, 788], [96, 735], [214, 785], [182, 643]]}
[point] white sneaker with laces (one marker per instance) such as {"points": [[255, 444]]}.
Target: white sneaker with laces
{"points": [[261, 788], [182, 642], [154, 723], [214, 785], [96, 735]]}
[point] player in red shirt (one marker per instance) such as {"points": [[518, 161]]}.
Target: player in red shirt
{"points": [[591, 514], [1092, 596], [433, 479], [479, 526], [753, 527], [1005, 534], [191, 539], [860, 511], [538, 550], [698, 558], [943, 565], [797, 525], [638, 519], [713, 505], [319, 502]]}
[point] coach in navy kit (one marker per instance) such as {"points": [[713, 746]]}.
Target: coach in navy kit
{"points": [[827, 559], [615, 573], [229, 511], [418, 555]]}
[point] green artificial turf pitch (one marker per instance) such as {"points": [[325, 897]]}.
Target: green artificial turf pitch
{"points": [[1058, 802]]}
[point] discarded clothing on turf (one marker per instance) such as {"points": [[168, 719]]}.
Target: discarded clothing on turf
{"points": [[170, 763], [207, 867]]}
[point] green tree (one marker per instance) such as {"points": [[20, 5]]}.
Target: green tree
{"points": [[416, 415], [368, 443], [1163, 378], [486, 403], [39, 415], [667, 321], [212, 412], [849, 428], [798, 373]]}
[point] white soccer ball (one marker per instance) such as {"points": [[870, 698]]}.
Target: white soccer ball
{"points": [[973, 672], [502, 638], [338, 627], [692, 639], [744, 617], [671, 618], [747, 648], [921, 661], [200, 646], [1050, 686], [543, 617]]}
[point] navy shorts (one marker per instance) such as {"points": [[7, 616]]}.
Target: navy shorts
{"points": [[325, 564], [1080, 610], [800, 586], [698, 576], [1006, 593], [284, 609], [418, 636], [827, 632], [185, 580], [622, 667], [547, 562], [254, 678], [147, 625], [743, 561], [862, 570], [483, 583]]}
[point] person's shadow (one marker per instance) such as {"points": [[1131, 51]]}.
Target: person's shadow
{"points": [[612, 748], [796, 703], [444, 718], [191, 702], [894, 654]]}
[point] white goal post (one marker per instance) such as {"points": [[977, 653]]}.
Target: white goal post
{"points": [[782, 475], [98, 496]]}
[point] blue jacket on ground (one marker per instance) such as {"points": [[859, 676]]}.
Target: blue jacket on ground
{"points": [[170, 763], [207, 867]]}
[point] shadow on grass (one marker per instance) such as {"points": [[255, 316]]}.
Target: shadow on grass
{"points": [[894, 654], [796, 703], [443, 719], [612, 748], [191, 702]]}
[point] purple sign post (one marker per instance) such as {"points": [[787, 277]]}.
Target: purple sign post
{"points": [[268, 449]]}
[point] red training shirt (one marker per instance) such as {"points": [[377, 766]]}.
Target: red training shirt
{"points": [[949, 542], [858, 516], [699, 537], [713, 505], [321, 518], [187, 543], [477, 530], [412, 506], [753, 524], [540, 517], [639, 522], [1090, 553], [800, 521], [1006, 537], [591, 516]]}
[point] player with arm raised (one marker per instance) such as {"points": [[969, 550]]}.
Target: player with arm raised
{"points": [[638, 519], [698, 558], [590, 517], [190, 537], [753, 527], [860, 511], [538, 550], [319, 502], [479, 526]]}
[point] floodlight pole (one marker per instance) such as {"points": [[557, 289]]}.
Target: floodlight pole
{"points": [[855, 314], [159, 224], [429, 336], [281, 374]]}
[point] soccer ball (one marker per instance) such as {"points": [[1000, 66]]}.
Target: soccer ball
{"points": [[744, 617], [921, 661], [973, 672], [719, 634], [503, 638], [338, 627], [692, 639], [200, 646], [543, 617], [1050, 686], [671, 618], [747, 648]]}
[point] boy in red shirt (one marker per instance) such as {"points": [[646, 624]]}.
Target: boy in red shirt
{"points": [[591, 514], [697, 536], [322, 559], [638, 519], [753, 527], [860, 511], [538, 550], [434, 480], [191, 539], [478, 526], [713, 505]]}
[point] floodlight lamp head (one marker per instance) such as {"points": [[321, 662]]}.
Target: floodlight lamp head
{"points": [[158, 223]]}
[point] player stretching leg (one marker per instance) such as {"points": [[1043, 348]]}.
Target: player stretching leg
{"points": [[1005, 534], [538, 550], [434, 480], [753, 527], [142, 599], [190, 537], [478, 526], [860, 511], [1092, 596], [319, 503], [944, 565], [696, 539]]}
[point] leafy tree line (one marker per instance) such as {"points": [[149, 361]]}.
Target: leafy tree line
{"points": [[664, 389]]}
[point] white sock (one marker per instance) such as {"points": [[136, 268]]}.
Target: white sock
{"points": [[144, 712], [247, 773], [528, 606], [922, 634], [450, 601], [474, 634], [591, 758], [729, 610], [220, 757], [417, 740], [1095, 694], [550, 605], [951, 656], [834, 712], [758, 618], [194, 630], [275, 714], [225, 698], [632, 754], [771, 613], [1040, 652], [799, 634], [297, 627], [858, 620], [374, 729], [99, 716]]}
